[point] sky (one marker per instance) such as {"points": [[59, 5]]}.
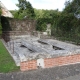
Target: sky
{"points": [[38, 4]]}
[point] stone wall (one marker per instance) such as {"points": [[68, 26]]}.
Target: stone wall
{"points": [[42, 35], [15, 26]]}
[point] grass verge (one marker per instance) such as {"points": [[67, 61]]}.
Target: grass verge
{"points": [[7, 64]]}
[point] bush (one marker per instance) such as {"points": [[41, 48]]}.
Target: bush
{"points": [[42, 23]]}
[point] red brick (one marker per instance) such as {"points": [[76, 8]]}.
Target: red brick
{"points": [[51, 62], [28, 65]]}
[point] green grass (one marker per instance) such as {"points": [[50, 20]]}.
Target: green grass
{"points": [[7, 64]]}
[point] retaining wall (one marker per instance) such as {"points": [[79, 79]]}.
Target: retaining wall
{"points": [[51, 62]]}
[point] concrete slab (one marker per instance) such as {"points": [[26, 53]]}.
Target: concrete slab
{"points": [[63, 45]]}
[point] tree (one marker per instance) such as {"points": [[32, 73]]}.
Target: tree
{"points": [[72, 6], [25, 10]]}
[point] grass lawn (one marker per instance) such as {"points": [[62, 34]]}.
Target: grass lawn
{"points": [[7, 64]]}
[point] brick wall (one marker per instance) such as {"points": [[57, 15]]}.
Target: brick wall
{"points": [[51, 62], [59, 61], [28, 65]]}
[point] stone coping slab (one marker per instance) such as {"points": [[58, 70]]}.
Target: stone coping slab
{"points": [[39, 50]]}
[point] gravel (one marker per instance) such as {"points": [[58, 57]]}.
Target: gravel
{"points": [[56, 73]]}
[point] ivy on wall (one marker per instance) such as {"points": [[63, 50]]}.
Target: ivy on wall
{"points": [[42, 23]]}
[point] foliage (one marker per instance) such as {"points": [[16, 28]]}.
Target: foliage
{"points": [[67, 25], [63, 23], [14, 13], [72, 6], [25, 10], [6, 62], [45, 17], [41, 26], [71, 9], [45, 13]]}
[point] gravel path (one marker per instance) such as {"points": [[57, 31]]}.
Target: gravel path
{"points": [[57, 73], [76, 77]]}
